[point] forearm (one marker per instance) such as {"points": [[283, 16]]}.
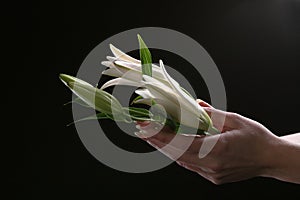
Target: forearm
{"points": [[284, 159], [295, 138]]}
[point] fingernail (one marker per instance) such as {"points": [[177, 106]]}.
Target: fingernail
{"points": [[140, 135], [138, 127], [207, 108], [149, 142], [142, 132]]}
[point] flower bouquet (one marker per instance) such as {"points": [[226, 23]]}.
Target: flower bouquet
{"points": [[173, 105]]}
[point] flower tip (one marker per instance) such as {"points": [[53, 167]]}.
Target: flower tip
{"points": [[161, 63], [141, 42], [64, 77], [112, 47], [67, 79], [145, 76]]}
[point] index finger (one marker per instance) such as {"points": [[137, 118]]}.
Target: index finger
{"points": [[184, 142]]}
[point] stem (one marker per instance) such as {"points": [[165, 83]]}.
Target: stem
{"points": [[213, 131]]}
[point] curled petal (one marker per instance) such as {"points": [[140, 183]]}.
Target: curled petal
{"points": [[144, 101], [121, 81], [107, 64], [111, 58], [129, 65], [187, 99], [122, 56], [153, 81], [114, 72], [144, 93], [156, 71]]}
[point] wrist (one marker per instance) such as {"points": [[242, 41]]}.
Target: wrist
{"points": [[283, 160]]}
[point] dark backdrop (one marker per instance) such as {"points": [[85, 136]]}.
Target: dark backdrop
{"points": [[255, 45]]}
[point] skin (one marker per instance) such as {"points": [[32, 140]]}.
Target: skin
{"points": [[243, 150]]}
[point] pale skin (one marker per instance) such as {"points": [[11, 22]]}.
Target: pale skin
{"points": [[243, 150]]}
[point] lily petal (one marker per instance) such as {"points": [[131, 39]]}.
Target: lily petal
{"points": [[111, 58], [129, 65], [122, 56], [114, 72], [154, 81], [157, 72], [144, 93], [189, 100], [121, 81], [107, 64], [94, 97]]}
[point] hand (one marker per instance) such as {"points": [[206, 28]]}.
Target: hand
{"points": [[245, 149]]}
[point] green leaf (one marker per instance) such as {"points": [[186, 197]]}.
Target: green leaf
{"points": [[135, 99], [153, 102], [145, 57], [93, 117], [138, 112]]}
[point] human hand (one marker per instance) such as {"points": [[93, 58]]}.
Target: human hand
{"points": [[243, 150]]}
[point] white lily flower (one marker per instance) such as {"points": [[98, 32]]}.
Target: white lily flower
{"points": [[161, 88], [187, 102], [125, 67], [175, 105]]}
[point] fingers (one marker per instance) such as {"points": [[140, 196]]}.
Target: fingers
{"points": [[143, 123], [198, 170], [189, 167], [172, 152], [167, 150], [184, 142]]}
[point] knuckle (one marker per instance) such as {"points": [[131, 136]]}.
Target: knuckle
{"points": [[220, 148], [216, 168], [162, 138], [217, 181], [234, 115]]}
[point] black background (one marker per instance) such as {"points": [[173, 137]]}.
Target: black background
{"points": [[255, 45]]}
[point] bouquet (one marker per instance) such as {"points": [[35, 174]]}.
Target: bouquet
{"points": [[173, 105]]}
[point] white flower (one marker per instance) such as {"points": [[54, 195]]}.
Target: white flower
{"points": [[161, 88]]}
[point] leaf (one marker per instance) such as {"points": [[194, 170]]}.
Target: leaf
{"points": [[136, 99], [138, 112], [145, 57], [159, 112], [143, 101], [92, 117]]}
